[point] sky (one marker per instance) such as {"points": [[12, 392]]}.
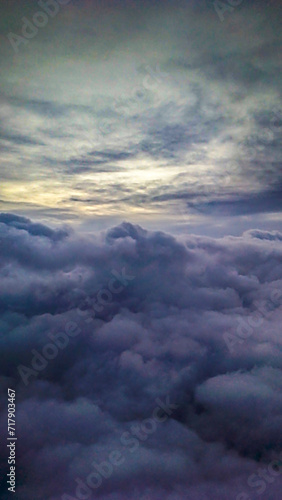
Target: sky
{"points": [[165, 114], [140, 250]]}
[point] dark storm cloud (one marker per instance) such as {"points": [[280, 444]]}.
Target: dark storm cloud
{"points": [[162, 335]]}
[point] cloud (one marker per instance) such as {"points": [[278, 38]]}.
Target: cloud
{"points": [[34, 229], [264, 202], [162, 337], [163, 101]]}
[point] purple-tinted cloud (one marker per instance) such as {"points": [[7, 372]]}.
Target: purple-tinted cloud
{"points": [[162, 337]]}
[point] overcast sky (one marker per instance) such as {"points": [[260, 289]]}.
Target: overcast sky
{"points": [[141, 248], [161, 113]]}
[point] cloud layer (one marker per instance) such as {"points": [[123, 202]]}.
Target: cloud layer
{"points": [[191, 321]]}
